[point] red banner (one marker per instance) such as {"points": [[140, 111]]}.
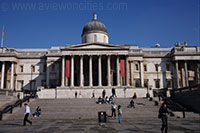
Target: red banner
{"points": [[122, 67], [67, 69]]}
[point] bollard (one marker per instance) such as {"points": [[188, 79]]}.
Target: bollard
{"points": [[183, 114], [102, 117], [28, 100], [1, 115]]}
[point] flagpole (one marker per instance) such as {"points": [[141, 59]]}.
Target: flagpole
{"points": [[2, 38]]}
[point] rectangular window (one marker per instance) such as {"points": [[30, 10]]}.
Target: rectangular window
{"points": [[169, 84], [20, 85], [167, 67], [157, 83], [156, 67], [145, 67], [136, 67], [21, 68], [32, 68], [146, 82], [53, 67], [137, 82]]}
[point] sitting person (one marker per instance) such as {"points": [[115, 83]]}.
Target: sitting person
{"points": [[107, 100], [99, 101], [134, 96], [111, 101], [131, 105], [103, 101], [38, 112]]}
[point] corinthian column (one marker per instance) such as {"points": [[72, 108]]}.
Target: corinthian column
{"points": [[186, 74], [100, 83], [11, 76], [90, 71], [109, 84], [2, 74], [72, 71], [118, 76], [81, 71], [141, 74], [127, 75], [63, 72]]}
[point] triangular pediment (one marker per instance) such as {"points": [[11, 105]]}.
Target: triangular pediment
{"points": [[96, 46]]}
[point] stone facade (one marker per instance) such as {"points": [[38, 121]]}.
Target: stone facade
{"points": [[97, 65]]}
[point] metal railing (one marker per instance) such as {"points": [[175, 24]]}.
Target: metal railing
{"points": [[184, 89], [170, 104], [9, 108]]}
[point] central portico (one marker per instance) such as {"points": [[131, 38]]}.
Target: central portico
{"points": [[94, 64]]}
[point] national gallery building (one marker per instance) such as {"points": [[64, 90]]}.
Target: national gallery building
{"points": [[95, 64]]}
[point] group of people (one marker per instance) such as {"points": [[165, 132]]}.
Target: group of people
{"points": [[115, 108], [37, 113], [163, 112], [105, 99]]}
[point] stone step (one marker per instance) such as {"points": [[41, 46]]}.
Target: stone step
{"points": [[86, 108]]}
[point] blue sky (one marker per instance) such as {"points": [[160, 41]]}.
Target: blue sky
{"points": [[46, 23]]}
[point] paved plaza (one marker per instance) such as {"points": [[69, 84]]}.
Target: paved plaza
{"points": [[80, 115]]}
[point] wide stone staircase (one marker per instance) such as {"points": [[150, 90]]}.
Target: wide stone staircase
{"points": [[81, 115], [6, 100], [85, 109]]}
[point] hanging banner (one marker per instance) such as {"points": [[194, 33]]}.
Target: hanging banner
{"points": [[122, 67], [67, 69]]}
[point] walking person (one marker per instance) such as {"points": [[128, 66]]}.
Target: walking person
{"points": [[76, 94], [113, 109], [103, 93], [26, 115], [114, 92], [93, 94], [163, 114], [120, 113]]}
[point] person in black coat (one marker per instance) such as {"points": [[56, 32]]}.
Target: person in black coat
{"points": [[163, 113]]}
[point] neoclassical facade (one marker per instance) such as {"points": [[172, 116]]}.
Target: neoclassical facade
{"points": [[95, 64]]}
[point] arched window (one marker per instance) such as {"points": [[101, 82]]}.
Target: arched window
{"points": [[95, 38], [104, 39]]}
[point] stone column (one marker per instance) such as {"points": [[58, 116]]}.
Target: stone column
{"points": [[141, 74], [72, 71], [81, 71], [177, 75], [47, 74], [108, 65], [2, 74], [197, 73], [100, 83], [186, 74], [127, 75], [63, 72], [118, 74], [11, 76], [131, 74], [90, 71]]}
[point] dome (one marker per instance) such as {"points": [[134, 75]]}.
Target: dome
{"points": [[94, 26]]}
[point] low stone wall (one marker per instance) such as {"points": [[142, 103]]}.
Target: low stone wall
{"points": [[87, 92]]}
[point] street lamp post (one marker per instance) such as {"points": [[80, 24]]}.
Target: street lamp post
{"points": [[15, 77]]}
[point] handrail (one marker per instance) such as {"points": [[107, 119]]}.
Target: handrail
{"points": [[189, 88], [170, 102], [9, 108]]}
